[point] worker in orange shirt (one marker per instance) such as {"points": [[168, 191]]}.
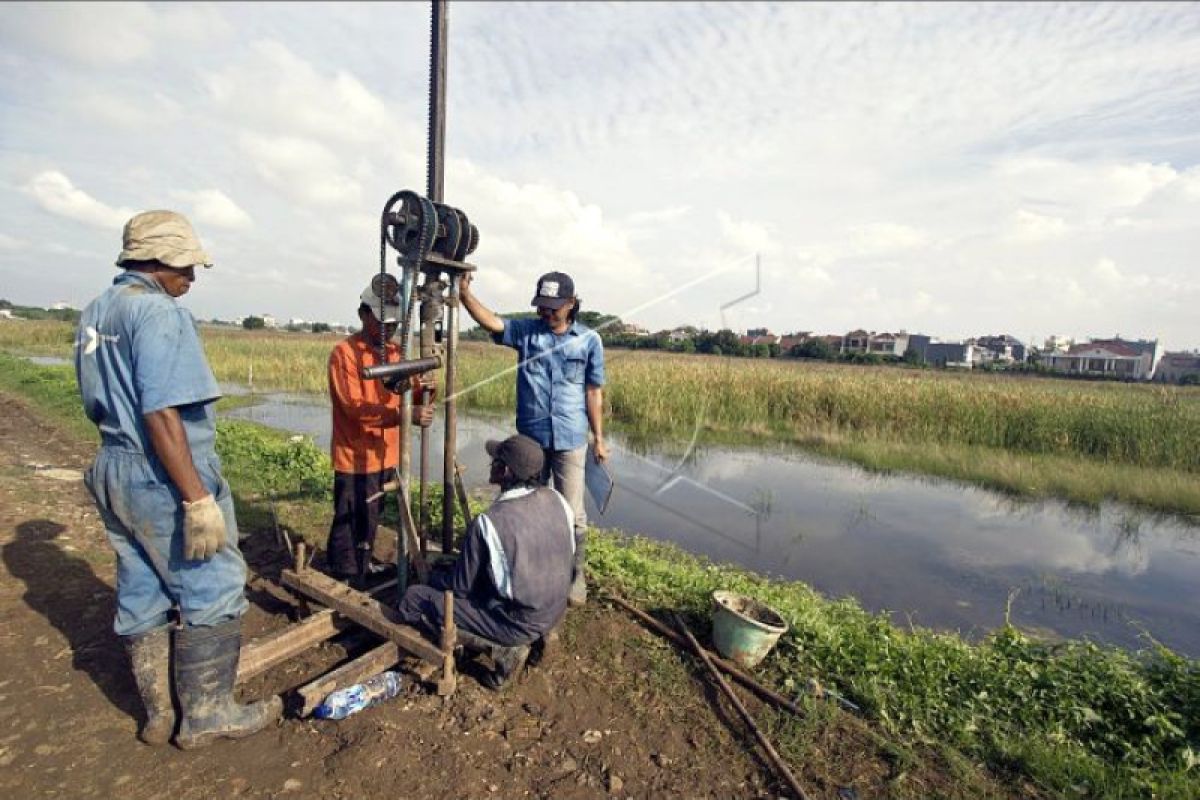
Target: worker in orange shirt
{"points": [[366, 433]]}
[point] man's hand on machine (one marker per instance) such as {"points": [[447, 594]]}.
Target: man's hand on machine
{"points": [[203, 528], [422, 415]]}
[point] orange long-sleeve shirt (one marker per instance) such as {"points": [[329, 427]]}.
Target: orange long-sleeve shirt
{"points": [[366, 437]]}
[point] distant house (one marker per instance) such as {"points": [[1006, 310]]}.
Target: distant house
{"points": [[832, 341], [6, 313], [951, 355], [856, 341], [786, 343], [1106, 358], [631, 329], [680, 335], [954, 355], [888, 345], [1144, 347], [269, 321], [1001, 349], [758, 336], [1178, 368], [1057, 344]]}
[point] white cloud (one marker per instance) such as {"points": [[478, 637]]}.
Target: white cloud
{"points": [[102, 34], [213, 207], [306, 170], [12, 243], [1030, 226], [55, 193], [745, 236], [275, 92]]}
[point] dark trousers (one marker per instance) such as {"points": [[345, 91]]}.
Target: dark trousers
{"points": [[423, 607], [352, 533]]}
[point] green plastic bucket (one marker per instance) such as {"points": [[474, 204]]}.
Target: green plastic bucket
{"points": [[744, 630]]}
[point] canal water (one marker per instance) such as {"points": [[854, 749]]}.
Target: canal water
{"points": [[931, 553]]}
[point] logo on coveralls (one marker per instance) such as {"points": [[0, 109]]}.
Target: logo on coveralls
{"points": [[94, 338]]}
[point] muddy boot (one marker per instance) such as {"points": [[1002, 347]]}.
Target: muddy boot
{"points": [[150, 657], [206, 662], [542, 649], [578, 593], [508, 659]]}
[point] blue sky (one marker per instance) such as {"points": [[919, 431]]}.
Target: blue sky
{"points": [[952, 169]]}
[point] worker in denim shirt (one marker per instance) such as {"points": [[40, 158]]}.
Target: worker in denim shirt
{"points": [[157, 483], [560, 390]]}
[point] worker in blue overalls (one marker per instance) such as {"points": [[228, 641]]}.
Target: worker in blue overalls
{"points": [[157, 482]]}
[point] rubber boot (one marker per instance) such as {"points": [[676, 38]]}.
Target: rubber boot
{"points": [[508, 659], [578, 593], [206, 660], [150, 657]]}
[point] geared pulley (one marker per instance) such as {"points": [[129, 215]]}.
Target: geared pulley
{"points": [[416, 227]]}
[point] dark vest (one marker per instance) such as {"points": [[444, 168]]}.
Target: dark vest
{"points": [[538, 540]]}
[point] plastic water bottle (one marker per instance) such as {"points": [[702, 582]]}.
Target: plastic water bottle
{"points": [[352, 699]]}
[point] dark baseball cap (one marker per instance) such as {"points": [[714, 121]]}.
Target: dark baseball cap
{"points": [[554, 290], [522, 455]]}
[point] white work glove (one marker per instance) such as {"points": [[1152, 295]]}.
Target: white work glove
{"points": [[203, 528]]}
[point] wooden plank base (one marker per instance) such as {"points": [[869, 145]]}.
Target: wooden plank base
{"points": [[362, 609]]}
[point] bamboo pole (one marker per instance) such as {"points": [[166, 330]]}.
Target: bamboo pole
{"points": [[780, 766], [727, 667]]}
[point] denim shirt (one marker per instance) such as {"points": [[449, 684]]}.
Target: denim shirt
{"points": [[138, 351], [552, 373]]}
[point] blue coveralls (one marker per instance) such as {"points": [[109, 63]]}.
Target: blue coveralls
{"points": [[138, 351]]}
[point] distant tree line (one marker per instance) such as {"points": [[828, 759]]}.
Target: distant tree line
{"points": [[33, 312]]}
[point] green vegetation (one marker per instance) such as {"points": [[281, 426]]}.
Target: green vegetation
{"points": [[1072, 719], [1085, 442]]}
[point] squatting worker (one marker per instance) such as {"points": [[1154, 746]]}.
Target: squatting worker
{"points": [[365, 446], [560, 394], [157, 482], [511, 580]]}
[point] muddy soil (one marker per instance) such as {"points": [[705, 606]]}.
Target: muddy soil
{"points": [[612, 711]]}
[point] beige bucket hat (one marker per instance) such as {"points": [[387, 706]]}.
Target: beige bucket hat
{"points": [[164, 236]]}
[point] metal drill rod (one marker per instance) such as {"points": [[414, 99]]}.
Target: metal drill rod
{"points": [[435, 161], [450, 448], [435, 188]]}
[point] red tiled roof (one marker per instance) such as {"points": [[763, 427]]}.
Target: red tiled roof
{"points": [[1105, 347]]}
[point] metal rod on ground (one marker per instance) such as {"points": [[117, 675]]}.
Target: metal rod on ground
{"points": [[733, 671], [774, 756]]}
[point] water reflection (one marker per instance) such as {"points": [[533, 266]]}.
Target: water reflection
{"points": [[936, 553], [48, 361]]}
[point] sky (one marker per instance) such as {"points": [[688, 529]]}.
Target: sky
{"points": [[949, 169]]}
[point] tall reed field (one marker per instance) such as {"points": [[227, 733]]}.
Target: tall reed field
{"points": [[1085, 441]]}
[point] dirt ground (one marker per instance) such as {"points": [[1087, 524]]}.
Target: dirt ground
{"points": [[613, 710]]}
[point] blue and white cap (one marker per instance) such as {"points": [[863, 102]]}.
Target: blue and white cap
{"points": [[554, 290]]}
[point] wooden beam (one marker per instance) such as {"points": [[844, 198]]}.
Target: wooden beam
{"points": [[370, 663], [363, 609], [265, 652], [261, 654]]}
